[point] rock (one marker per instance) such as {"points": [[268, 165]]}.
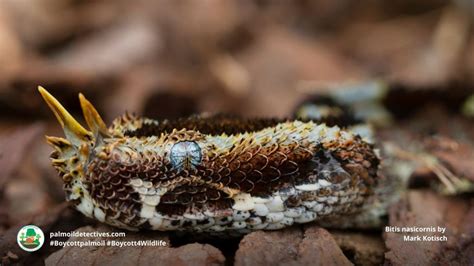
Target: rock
{"points": [[319, 248], [290, 247], [428, 209], [267, 248], [360, 248], [191, 254]]}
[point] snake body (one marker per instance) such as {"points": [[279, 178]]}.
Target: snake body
{"points": [[211, 174]]}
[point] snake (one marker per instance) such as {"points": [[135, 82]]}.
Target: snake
{"points": [[213, 174]]}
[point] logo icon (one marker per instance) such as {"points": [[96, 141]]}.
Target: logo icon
{"points": [[30, 238]]}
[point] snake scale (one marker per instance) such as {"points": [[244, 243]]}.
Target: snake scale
{"points": [[212, 174]]}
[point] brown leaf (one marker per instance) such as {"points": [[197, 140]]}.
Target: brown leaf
{"points": [[458, 155], [13, 147]]}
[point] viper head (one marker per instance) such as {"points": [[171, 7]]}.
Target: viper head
{"points": [[72, 152]]}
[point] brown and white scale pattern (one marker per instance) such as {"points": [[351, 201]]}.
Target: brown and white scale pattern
{"points": [[211, 174]]}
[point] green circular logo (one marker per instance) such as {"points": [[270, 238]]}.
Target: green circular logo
{"points": [[30, 238]]}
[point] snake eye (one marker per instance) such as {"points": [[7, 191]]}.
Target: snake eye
{"points": [[185, 155]]}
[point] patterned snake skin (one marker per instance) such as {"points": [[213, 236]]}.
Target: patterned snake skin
{"points": [[211, 174]]}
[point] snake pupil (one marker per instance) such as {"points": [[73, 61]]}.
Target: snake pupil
{"points": [[185, 155]]}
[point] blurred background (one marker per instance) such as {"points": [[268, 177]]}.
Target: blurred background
{"points": [[167, 59], [172, 58]]}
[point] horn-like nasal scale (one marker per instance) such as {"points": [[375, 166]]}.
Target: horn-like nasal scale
{"points": [[74, 132], [93, 119]]}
